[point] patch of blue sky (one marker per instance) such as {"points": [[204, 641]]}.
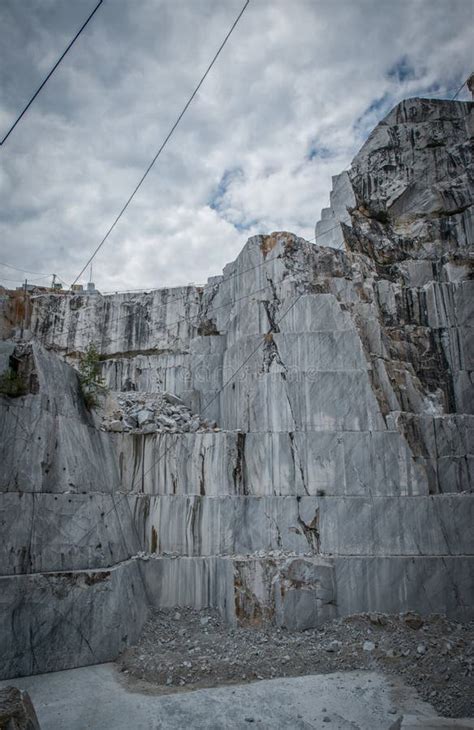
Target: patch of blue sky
{"points": [[402, 70], [216, 200], [376, 111], [244, 226], [319, 152]]}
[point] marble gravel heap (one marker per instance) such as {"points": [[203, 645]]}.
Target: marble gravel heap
{"points": [[331, 470], [151, 413]]}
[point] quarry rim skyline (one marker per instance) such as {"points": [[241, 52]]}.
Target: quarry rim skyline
{"points": [[321, 118]]}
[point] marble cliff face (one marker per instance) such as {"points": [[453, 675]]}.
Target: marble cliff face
{"points": [[290, 442]]}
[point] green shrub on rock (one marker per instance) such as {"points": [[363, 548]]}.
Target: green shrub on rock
{"points": [[92, 384], [12, 384]]}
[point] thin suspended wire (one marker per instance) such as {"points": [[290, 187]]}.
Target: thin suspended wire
{"points": [[50, 73], [206, 407], [459, 90], [26, 271], [163, 145]]}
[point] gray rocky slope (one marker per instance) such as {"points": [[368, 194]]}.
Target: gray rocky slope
{"points": [[304, 449]]}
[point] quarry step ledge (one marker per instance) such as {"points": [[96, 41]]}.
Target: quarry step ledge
{"points": [[145, 557], [240, 557], [274, 431], [293, 333], [91, 492], [233, 431], [130, 354], [276, 555], [149, 495], [342, 497], [78, 571], [315, 554]]}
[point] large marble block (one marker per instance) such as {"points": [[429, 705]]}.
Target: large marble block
{"points": [[50, 442], [244, 525], [386, 526], [53, 621], [428, 585], [52, 532]]}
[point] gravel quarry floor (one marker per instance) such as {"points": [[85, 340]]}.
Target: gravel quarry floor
{"points": [[191, 649]]}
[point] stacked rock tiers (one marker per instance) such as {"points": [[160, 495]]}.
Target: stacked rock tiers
{"points": [[337, 478]]}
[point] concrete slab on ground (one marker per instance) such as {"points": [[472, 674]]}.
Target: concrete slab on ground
{"points": [[99, 698]]}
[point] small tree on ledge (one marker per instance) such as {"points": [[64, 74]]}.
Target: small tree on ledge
{"points": [[92, 384]]}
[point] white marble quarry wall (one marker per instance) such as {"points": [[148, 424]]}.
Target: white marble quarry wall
{"points": [[429, 585], [50, 442], [47, 453], [337, 478], [134, 323], [50, 532], [303, 591], [69, 594], [443, 446], [413, 220], [202, 582], [299, 592], [246, 589], [328, 231], [294, 463], [415, 168], [43, 532], [383, 526], [149, 373], [60, 620]]}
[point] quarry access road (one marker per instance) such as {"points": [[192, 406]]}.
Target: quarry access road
{"points": [[96, 698]]}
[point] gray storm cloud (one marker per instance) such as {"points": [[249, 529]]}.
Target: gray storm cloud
{"points": [[287, 105]]}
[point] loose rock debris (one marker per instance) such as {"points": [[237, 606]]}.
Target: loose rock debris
{"points": [[140, 412], [185, 648]]}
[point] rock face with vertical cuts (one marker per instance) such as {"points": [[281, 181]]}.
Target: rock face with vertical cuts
{"points": [[290, 443]]}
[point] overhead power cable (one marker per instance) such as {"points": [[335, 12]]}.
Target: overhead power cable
{"points": [[244, 271], [206, 407], [239, 272], [192, 320], [26, 271], [30, 281], [50, 73], [189, 319], [17, 281], [163, 145], [459, 90], [263, 338], [125, 496]]}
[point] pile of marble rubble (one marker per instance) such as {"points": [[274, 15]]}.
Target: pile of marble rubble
{"points": [[151, 413]]}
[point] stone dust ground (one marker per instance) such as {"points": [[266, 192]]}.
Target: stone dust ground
{"points": [[191, 649]]}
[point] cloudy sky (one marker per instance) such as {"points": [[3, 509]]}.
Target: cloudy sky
{"points": [[288, 103]]}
